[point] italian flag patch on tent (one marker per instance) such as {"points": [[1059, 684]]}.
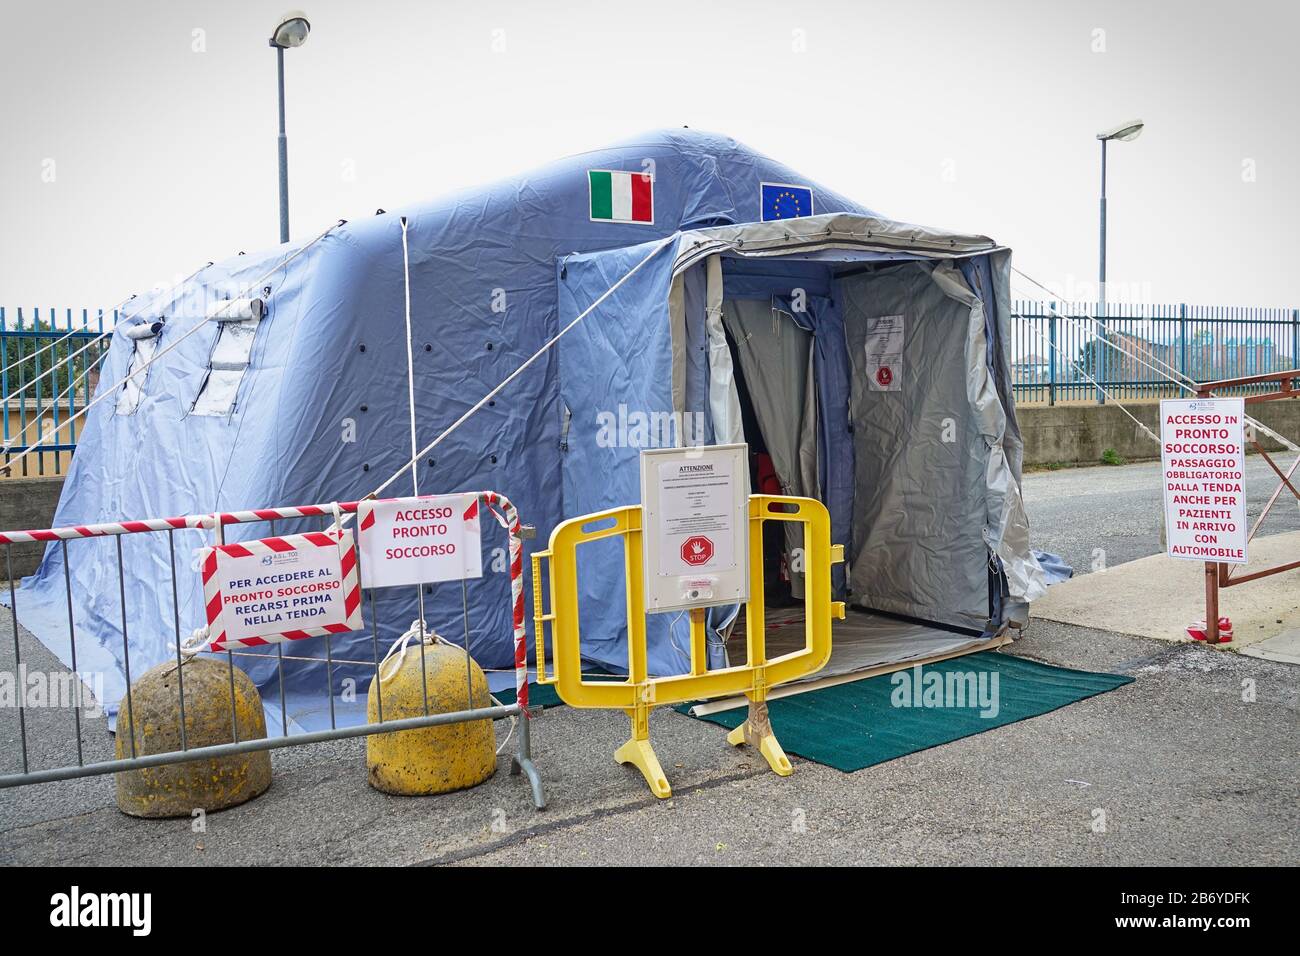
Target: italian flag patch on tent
{"points": [[621, 197]]}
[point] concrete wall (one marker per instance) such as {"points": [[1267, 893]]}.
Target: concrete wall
{"points": [[26, 503], [1082, 433]]}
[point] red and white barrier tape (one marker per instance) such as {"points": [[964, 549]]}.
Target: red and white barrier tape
{"points": [[171, 524]]}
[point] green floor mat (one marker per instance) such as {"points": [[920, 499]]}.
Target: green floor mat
{"points": [[539, 695], [859, 724]]}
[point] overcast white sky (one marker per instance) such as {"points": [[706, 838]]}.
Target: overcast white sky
{"points": [[158, 122]]}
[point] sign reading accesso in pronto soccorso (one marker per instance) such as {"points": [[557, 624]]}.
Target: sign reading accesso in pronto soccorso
{"points": [[695, 526], [1203, 455]]}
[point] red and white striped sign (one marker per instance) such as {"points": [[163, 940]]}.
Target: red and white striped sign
{"points": [[280, 589], [419, 540]]}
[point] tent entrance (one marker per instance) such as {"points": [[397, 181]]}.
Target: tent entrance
{"points": [[897, 467], [775, 382]]}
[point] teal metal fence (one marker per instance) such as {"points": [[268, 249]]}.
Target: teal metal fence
{"points": [[1054, 348], [49, 361]]}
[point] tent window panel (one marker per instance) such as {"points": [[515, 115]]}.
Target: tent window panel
{"points": [[128, 400], [226, 366], [234, 346], [218, 395]]}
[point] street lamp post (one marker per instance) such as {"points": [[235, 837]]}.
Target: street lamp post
{"points": [[290, 32], [1123, 133]]}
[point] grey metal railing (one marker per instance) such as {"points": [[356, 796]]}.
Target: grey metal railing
{"points": [[66, 540]]}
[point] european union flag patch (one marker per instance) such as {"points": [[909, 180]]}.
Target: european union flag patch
{"points": [[783, 201]]}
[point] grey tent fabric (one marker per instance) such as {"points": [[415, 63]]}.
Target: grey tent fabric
{"points": [[724, 402], [776, 357], [920, 461], [809, 478], [1006, 528]]}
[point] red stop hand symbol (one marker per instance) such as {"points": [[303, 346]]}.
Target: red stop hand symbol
{"points": [[697, 550]]}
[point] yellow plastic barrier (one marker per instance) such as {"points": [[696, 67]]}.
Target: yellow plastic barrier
{"points": [[639, 692]]}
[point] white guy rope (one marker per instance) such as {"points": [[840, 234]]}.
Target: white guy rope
{"points": [[105, 392], [45, 348], [107, 332], [54, 368], [1172, 379], [1170, 372], [410, 395], [663, 244]]}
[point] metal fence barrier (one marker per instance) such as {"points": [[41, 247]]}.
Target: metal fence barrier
{"points": [[1217, 574], [1053, 345], [48, 372], [521, 761]]}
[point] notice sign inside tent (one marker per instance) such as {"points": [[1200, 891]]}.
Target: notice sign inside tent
{"points": [[884, 347], [419, 540], [280, 589], [695, 525], [1202, 452]]}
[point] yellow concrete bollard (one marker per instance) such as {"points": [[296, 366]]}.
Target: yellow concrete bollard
{"points": [[430, 759], [176, 790]]}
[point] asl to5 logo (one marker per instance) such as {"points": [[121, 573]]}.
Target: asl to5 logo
{"points": [[697, 550]]}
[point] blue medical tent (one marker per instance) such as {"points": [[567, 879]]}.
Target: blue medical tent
{"points": [[865, 358]]}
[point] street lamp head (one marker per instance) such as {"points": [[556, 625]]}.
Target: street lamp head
{"points": [[1124, 132], [291, 31]]}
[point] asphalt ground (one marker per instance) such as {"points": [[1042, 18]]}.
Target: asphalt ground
{"points": [[1115, 514], [1194, 763]]}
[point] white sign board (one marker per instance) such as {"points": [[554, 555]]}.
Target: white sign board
{"points": [[695, 529], [419, 540], [1203, 456], [276, 589]]}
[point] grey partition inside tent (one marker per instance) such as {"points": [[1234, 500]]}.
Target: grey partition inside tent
{"points": [[776, 357], [919, 461]]}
